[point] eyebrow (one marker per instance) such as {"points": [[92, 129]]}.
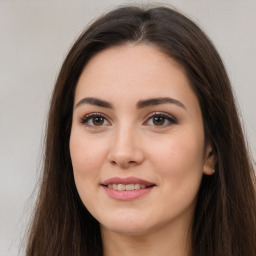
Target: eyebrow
{"points": [[141, 104], [95, 102], [158, 101]]}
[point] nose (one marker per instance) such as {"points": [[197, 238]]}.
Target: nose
{"points": [[125, 149]]}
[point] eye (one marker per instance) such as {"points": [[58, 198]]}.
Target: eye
{"points": [[95, 120], [160, 119]]}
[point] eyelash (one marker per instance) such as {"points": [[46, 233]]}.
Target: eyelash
{"points": [[85, 119], [167, 117]]}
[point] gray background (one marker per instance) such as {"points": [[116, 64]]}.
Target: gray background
{"points": [[34, 38]]}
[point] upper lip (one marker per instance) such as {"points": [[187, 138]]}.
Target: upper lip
{"points": [[127, 180]]}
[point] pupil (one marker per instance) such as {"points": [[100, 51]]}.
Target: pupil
{"points": [[98, 121], [158, 120]]}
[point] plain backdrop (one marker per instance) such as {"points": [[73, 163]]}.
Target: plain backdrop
{"points": [[34, 39]]}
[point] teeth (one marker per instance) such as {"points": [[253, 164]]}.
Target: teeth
{"points": [[122, 187], [129, 187], [137, 186]]}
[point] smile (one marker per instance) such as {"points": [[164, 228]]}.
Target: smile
{"points": [[129, 188], [122, 187]]}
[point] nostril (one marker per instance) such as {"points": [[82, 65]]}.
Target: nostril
{"points": [[132, 162], [124, 163]]}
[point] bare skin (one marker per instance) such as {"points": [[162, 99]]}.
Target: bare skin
{"points": [[164, 242], [135, 115]]}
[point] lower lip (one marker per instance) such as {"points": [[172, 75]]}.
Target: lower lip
{"points": [[127, 195]]}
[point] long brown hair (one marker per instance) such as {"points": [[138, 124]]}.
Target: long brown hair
{"points": [[225, 216]]}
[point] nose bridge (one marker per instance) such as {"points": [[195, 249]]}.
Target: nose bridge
{"points": [[124, 135], [125, 150]]}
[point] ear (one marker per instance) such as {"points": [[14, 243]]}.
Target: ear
{"points": [[210, 160]]}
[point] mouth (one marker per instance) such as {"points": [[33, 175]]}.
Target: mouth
{"points": [[129, 188]]}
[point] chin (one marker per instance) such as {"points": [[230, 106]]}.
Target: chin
{"points": [[127, 230], [126, 224]]}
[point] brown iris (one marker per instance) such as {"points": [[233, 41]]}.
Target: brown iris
{"points": [[158, 120], [98, 120]]}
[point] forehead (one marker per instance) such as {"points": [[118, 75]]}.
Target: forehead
{"points": [[133, 72]]}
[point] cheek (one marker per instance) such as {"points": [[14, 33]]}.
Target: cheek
{"points": [[87, 157], [179, 160], [86, 153], [86, 160], [179, 170]]}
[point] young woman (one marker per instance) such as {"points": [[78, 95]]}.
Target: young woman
{"points": [[144, 154]]}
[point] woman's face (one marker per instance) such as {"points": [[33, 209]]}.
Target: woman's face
{"points": [[137, 141]]}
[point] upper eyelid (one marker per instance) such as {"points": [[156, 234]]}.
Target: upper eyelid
{"points": [[147, 117], [156, 113], [86, 117], [94, 114], [168, 117]]}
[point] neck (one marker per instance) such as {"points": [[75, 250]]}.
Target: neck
{"points": [[165, 241]]}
